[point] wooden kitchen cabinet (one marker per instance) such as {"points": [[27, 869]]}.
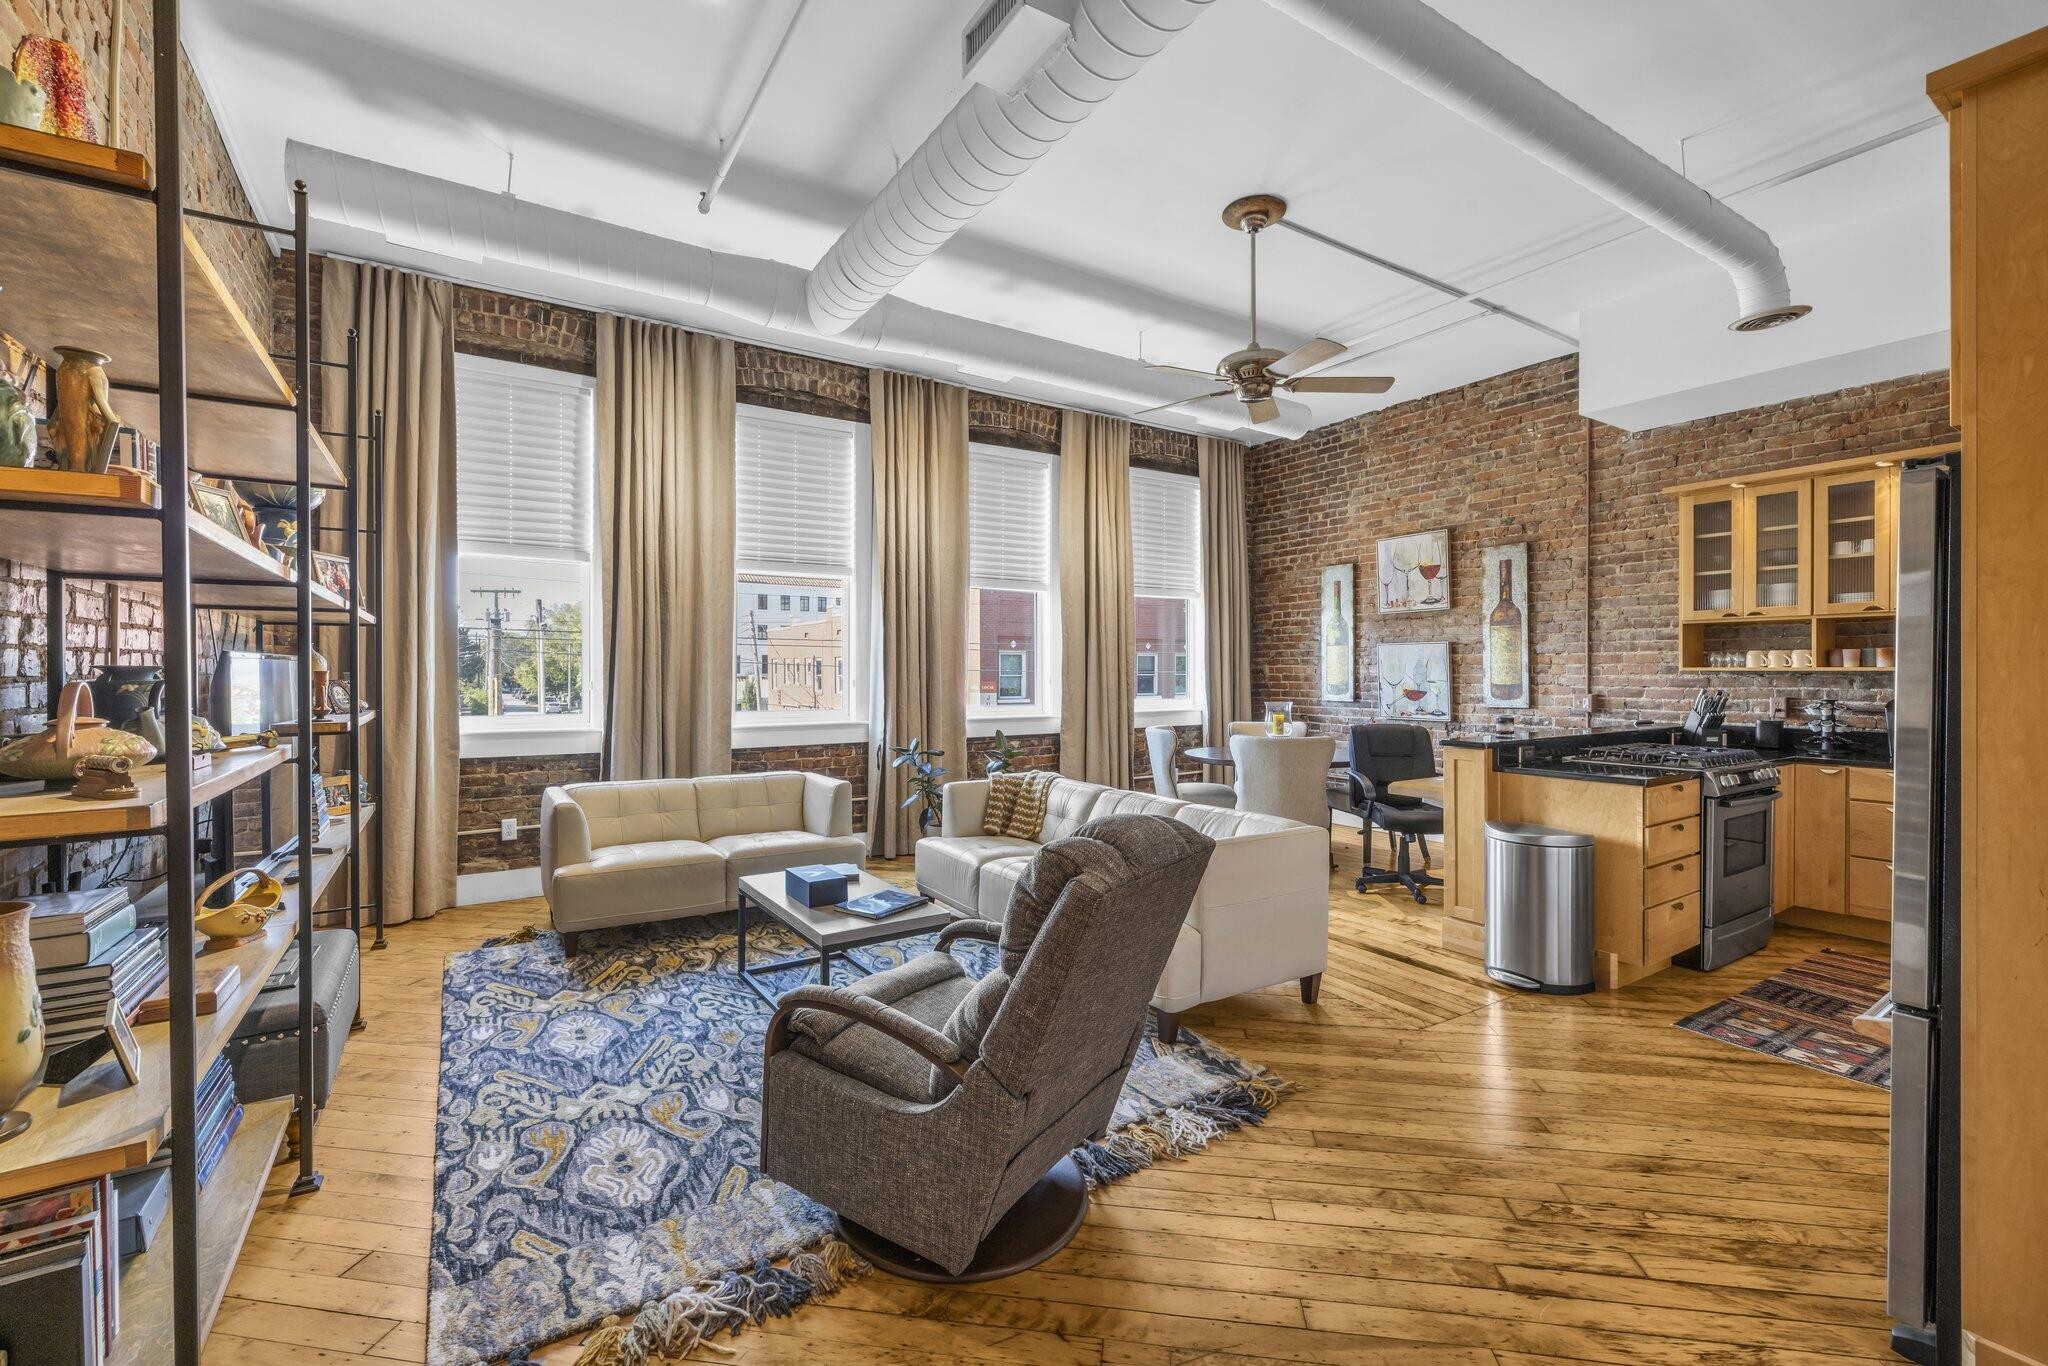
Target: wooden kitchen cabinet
{"points": [[1777, 547], [1820, 828], [1709, 556], [1855, 552]]}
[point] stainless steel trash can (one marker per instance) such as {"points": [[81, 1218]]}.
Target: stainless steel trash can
{"points": [[1539, 908]]}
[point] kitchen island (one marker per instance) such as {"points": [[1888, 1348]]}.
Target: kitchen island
{"points": [[1650, 857]]}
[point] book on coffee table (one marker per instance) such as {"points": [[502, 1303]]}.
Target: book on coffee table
{"points": [[881, 905]]}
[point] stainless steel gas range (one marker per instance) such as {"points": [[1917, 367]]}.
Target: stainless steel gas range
{"points": [[1738, 788]]}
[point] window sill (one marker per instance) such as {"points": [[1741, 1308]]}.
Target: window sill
{"points": [[509, 742], [772, 734], [1166, 714], [982, 724]]}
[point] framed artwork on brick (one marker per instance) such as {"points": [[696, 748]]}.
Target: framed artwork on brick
{"points": [[1339, 633], [1415, 681], [1506, 579], [1415, 572]]}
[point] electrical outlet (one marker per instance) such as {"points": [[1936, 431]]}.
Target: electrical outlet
{"points": [[508, 829]]}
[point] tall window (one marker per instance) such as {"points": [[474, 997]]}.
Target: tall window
{"points": [[801, 486], [1010, 581], [1166, 564], [527, 637]]}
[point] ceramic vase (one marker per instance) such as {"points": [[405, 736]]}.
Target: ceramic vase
{"points": [[83, 432], [21, 1017], [76, 733], [17, 425], [22, 101]]}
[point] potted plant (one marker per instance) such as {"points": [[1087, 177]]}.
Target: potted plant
{"points": [[924, 782], [1002, 755]]}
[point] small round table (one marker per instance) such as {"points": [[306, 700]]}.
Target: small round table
{"points": [[1218, 756]]}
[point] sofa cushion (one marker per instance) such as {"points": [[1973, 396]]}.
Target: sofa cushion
{"points": [[998, 884], [770, 851], [1069, 805], [1221, 822], [1118, 802], [638, 812], [950, 869], [749, 803], [624, 883]]}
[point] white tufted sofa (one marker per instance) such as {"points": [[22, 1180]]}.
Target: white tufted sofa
{"points": [[623, 853], [1261, 916]]}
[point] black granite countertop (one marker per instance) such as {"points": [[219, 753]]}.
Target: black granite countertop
{"points": [[1544, 755]]}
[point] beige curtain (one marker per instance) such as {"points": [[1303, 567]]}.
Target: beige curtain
{"points": [[405, 323], [920, 459], [1096, 666], [665, 494], [1226, 587]]}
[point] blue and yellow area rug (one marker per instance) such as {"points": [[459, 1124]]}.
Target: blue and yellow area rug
{"points": [[598, 1145]]}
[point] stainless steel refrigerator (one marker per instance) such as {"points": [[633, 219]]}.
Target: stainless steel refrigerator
{"points": [[1923, 1278]]}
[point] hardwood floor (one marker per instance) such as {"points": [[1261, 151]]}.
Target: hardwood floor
{"points": [[1469, 1175]]}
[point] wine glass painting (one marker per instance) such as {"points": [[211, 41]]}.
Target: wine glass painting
{"points": [[1415, 680], [1338, 630], [1415, 572]]}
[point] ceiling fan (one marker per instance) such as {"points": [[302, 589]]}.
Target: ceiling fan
{"points": [[1257, 372]]}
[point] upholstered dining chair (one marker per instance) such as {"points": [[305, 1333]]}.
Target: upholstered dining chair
{"points": [[1284, 775], [1259, 728], [1160, 743], [1383, 753], [936, 1112]]}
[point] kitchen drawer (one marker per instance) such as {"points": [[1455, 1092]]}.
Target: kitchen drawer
{"points": [[1870, 830], [1671, 801], [1671, 927], [1673, 839], [1870, 785], [1870, 888], [1669, 881]]}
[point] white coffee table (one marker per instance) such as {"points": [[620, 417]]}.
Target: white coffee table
{"points": [[830, 932]]}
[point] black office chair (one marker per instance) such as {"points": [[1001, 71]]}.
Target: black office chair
{"points": [[1383, 753]]}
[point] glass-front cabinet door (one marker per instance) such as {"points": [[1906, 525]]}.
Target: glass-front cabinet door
{"points": [[1709, 558], [1854, 553], [1778, 568]]}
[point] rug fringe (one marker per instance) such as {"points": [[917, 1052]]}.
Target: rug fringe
{"points": [[525, 934], [694, 1315], [1180, 1130]]}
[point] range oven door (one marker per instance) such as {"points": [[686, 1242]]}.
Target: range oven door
{"points": [[1737, 852]]}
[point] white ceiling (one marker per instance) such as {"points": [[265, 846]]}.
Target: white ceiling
{"points": [[1112, 241]]}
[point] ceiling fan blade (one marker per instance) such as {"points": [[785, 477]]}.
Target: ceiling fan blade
{"points": [[1180, 403], [1340, 384], [1309, 353], [1262, 409], [1182, 370]]}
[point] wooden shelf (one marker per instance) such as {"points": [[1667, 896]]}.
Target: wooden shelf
{"points": [[227, 1207], [89, 1128], [123, 539], [273, 600], [90, 160], [328, 725], [1809, 669], [97, 289], [119, 490], [50, 816]]}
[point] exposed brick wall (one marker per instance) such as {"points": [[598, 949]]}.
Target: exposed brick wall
{"points": [[506, 327], [802, 384], [999, 420], [1155, 448], [1508, 460], [495, 790]]}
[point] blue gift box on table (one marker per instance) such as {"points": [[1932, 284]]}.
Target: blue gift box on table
{"points": [[815, 884]]}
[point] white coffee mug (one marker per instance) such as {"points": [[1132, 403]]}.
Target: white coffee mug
{"points": [[1757, 659]]}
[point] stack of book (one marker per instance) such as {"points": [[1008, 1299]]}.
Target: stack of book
{"points": [[89, 953], [220, 1113], [59, 1291]]}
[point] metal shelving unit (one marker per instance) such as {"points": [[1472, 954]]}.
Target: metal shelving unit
{"points": [[99, 254]]}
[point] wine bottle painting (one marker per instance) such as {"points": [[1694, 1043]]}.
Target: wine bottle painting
{"points": [[1415, 680], [1415, 572], [1507, 625], [1339, 629]]}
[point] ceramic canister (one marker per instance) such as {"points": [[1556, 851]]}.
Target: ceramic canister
{"points": [[21, 1008]]}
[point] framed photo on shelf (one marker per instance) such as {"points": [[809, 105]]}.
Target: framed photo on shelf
{"points": [[331, 573], [217, 505]]}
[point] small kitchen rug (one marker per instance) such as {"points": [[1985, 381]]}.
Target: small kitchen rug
{"points": [[1803, 1015], [597, 1150]]}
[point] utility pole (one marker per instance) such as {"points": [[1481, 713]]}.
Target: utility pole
{"points": [[760, 654], [540, 654], [495, 617]]}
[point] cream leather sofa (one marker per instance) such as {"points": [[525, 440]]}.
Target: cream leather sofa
{"points": [[623, 853], [1261, 916]]}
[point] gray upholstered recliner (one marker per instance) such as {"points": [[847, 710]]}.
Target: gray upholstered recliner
{"points": [[924, 1104]]}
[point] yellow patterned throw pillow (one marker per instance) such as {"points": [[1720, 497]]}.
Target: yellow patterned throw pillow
{"points": [[1016, 804]]}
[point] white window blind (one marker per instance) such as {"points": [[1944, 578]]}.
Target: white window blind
{"points": [[1166, 535], [795, 494], [523, 459], [1009, 520]]}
